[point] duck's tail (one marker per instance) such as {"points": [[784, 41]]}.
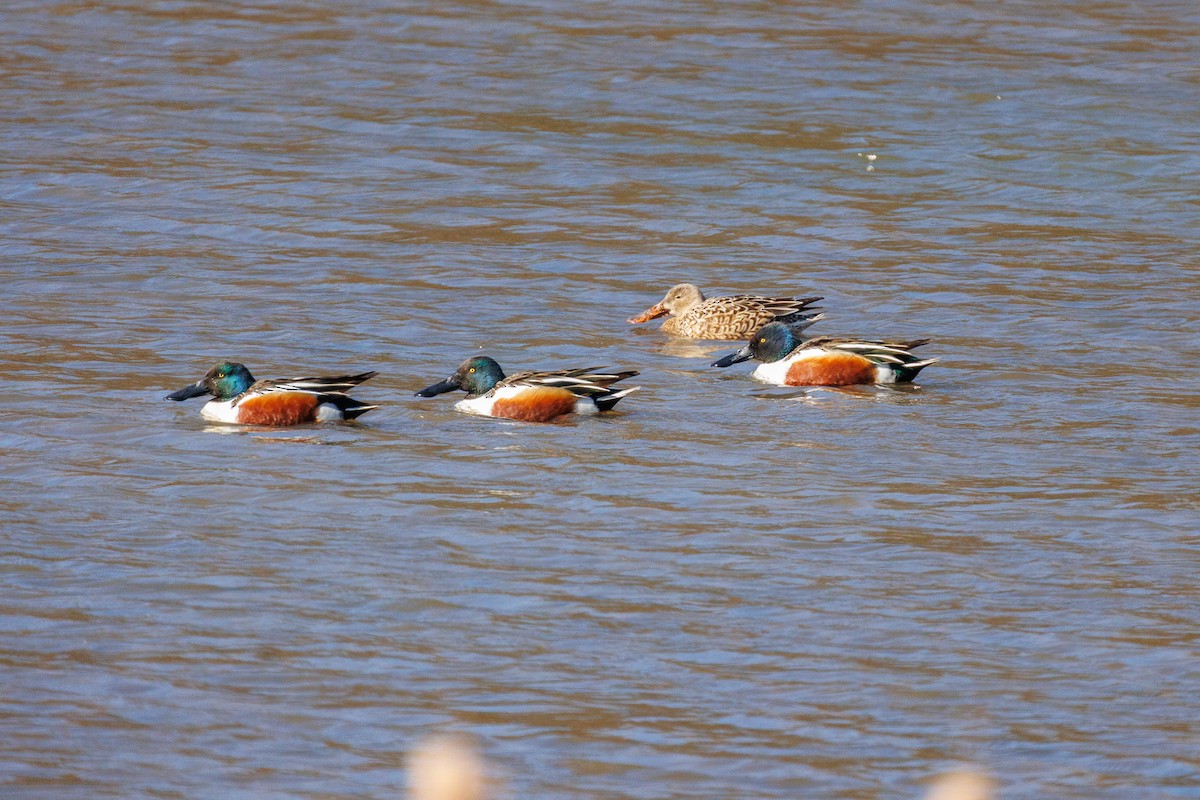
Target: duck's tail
{"points": [[348, 406], [907, 372], [606, 402]]}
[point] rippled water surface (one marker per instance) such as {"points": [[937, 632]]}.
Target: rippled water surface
{"points": [[721, 590]]}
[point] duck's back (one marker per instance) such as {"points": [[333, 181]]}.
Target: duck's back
{"points": [[737, 316]]}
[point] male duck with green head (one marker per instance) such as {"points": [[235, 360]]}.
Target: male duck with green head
{"points": [[531, 396], [239, 399], [788, 360]]}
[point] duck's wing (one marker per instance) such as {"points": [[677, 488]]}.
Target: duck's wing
{"points": [[879, 351], [774, 306], [329, 385], [737, 316], [583, 382]]}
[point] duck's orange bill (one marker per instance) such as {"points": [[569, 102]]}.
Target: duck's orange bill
{"points": [[647, 315]]}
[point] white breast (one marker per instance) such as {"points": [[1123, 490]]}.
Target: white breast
{"points": [[220, 411], [483, 404], [776, 372]]}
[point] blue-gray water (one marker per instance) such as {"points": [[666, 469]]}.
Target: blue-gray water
{"points": [[723, 589]]}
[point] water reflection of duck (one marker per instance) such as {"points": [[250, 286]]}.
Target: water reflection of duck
{"points": [[447, 768], [451, 767], [962, 785]]}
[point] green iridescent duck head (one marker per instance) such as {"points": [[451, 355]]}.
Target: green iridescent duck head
{"points": [[225, 381], [477, 375]]}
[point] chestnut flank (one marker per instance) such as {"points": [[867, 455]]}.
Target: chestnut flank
{"points": [[832, 369], [537, 404], [278, 408]]}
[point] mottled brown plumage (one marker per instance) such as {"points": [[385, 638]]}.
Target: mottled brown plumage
{"points": [[730, 317]]}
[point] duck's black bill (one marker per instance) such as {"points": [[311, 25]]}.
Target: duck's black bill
{"points": [[189, 391], [734, 358], [448, 385]]}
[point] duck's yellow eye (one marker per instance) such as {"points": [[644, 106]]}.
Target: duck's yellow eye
{"points": [[220, 374], [762, 340], [472, 369]]}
